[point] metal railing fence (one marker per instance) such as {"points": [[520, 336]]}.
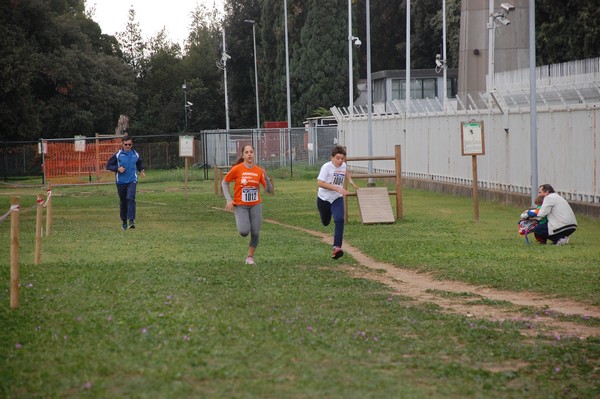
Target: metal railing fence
{"points": [[275, 148]]}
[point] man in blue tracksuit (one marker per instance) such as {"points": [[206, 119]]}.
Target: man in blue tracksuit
{"points": [[126, 163]]}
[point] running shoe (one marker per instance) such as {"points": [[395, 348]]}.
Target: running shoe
{"points": [[124, 226], [132, 224], [337, 253], [563, 241], [250, 260]]}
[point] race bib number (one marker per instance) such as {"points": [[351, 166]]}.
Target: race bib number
{"points": [[338, 179], [250, 194]]}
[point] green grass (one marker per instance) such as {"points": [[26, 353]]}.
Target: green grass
{"points": [[169, 309]]}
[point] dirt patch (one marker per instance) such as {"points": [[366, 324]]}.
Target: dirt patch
{"points": [[470, 300]]}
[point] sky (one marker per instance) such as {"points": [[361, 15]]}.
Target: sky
{"points": [[152, 15]]}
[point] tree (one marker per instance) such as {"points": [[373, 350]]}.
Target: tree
{"points": [[205, 80], [59, 81], [132, 44], [567, 30], [240, 69], [320, 66]]}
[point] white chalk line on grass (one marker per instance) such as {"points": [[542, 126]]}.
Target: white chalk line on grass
{"points": [[152, 203]]}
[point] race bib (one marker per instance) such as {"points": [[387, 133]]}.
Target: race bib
{"points": [[338, 179], [250, 194]]}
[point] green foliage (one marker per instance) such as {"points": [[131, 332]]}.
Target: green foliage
{"points": [[62, 76], [559, 33], [58, 74], [169, 309]]}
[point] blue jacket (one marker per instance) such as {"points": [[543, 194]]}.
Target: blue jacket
{"points": [[131, 161]]}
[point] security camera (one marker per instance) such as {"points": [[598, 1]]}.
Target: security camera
{"points": [[357, 43], [504, 21], [226, 56], [439, 63], [507, 7], [189, 103]]}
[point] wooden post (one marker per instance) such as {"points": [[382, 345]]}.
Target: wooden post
{"points": [[48, 210], [14, 253], [475, 192], [399, 210], [346, 200], [219, 180], [185, 178], [38, 229], [216, 178]]}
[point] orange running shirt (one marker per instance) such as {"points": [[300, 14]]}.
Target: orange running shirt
{"points": [[246, 190]]}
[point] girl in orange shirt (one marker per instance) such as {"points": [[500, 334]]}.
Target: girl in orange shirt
{"points": [[246, 201]]}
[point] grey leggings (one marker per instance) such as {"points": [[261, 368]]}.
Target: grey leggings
{"points": [[248, 220]]}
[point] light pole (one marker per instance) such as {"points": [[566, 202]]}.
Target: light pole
{"points": [[493, 17], [369, 94], [287, 84], [445, 74], [251, 21], [440, 59], [222, 65], [184, 86], [352, 40], [533, 103]]}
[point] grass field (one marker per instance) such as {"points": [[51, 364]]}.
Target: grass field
{"points": [[169, 310]]}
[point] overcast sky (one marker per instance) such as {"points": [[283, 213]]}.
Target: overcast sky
{"points": [[152, 15]]}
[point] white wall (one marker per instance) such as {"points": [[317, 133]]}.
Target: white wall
{"points": [[568, 148]]}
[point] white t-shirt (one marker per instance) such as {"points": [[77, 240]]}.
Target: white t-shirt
{"points": [[333, 175]]}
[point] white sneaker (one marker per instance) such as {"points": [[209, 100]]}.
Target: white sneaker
{"points": [[563, 241], [249, 260]]}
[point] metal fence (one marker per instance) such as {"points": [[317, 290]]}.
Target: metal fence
{"points": [[275, 148], [568, 133]]}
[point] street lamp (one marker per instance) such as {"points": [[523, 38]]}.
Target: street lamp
{"points": [[440, 60], [251, 21], [352, 40], [222, 65], [369, 94], [186, 104], [493, 17]]}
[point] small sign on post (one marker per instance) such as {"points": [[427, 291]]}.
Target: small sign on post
{"points": [[473, 144], [186, 150], [79, 143]]}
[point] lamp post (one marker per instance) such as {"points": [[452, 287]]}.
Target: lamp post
{"points": [[493, 17], [352, 40], [369, 94], [184, 86], [445, 74], [440, 59], [222, 65], [287, 85], [533, 103], [251, 21]]}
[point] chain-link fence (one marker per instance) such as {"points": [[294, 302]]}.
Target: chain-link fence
{"points": [[278, 148]]}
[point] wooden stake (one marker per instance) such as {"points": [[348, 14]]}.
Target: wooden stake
{"points": [[185, 178], [399, 210], [475, 192], [14, 254], [48, 210], [38, 229], [216, 178]]}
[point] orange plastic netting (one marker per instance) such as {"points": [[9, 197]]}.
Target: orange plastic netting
{"points": [[65, 165]]}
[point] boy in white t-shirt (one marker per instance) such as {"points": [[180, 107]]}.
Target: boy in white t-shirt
{"points": [[330, 197]]}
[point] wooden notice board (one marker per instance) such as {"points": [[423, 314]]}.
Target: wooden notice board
{"points": [[374, 205]]}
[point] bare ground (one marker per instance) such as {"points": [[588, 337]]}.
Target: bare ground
{"points": [[423, 288]]}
